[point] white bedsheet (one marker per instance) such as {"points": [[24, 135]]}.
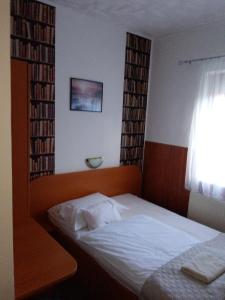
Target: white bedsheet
{"points": [[135, 247], [130, 250], [139, 206]]}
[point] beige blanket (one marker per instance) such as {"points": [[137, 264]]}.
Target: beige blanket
{"points": [[170, 283], [205, 266]]}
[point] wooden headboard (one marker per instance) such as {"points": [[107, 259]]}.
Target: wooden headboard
{"points": [[51, 190]]}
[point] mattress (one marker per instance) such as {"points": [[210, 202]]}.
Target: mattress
{"points": [[147, 237]]}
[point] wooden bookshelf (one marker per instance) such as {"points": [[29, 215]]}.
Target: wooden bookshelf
{"points": [[135, 99], [33, 40]]}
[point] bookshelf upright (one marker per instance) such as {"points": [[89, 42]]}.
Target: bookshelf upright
{"points": [[134, 99], [33, 40]]}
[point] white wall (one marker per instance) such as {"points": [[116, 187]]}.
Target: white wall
{"points": [[6, 240], [171, 102], [90, 49], [172, 86], [208, 211]]}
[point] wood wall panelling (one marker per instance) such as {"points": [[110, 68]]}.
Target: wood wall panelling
{"points": [[51, 190], [20, 161], [164, 176]]}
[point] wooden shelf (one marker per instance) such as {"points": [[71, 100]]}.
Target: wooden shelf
{"points": [[136, 50], [44, 82], [136, 79], [40, 101], [43, 119], [42, 154], [132, 159], [32, 20], [41, 171], [132, 120], [137, 65], [39, 261], [42, 137], [33, 41], [132, 146], [137, 133], [33, 61], [137, 94], [134, 107]]}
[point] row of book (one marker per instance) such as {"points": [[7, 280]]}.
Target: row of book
{"points": [[42, 146], [34, 10], [132, 140], [131, 153], [42, 110], [134, 100], [34, 31], [42, 163], [133, 127], [136, 72], [41, 91], [138, 87], [38, 52], [137, 162], [42, 173], [138, 43], [41, 72], [41, 128], [133, 114], [137, 58]]}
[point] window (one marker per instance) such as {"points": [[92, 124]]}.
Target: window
{"points": [[206, 153]]}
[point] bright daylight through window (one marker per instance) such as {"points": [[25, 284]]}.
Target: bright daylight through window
{"points": [[206, 152]]}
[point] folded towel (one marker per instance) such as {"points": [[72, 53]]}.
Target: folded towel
{"points": [[206, 266]]}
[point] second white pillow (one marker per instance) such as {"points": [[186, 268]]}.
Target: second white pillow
{"points": [[101, 214]]}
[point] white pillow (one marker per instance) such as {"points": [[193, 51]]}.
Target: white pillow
{"points": [[70, 213], [101, 214], [119, 206]]}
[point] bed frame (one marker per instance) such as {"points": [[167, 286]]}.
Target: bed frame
{"points": [[51, 190]]}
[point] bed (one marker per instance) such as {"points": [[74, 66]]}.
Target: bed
{"points": [[115, 261]]}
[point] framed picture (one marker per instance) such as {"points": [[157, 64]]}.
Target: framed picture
{"points": [[86, 95]]}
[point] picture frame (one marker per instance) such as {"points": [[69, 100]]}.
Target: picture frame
{"points": [[86, 95]]}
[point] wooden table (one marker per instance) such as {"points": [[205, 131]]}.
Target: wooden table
{"points": [[39, 261]]}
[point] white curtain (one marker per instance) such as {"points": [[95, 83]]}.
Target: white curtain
{"points": [[206, 152]]}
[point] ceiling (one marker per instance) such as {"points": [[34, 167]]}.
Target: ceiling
{"points": [[152, 17]]}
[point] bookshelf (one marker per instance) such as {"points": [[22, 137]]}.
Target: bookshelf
{"points": [[135, 99], [33, 41]]}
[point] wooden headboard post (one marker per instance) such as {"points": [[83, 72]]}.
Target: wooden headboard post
{"points": [[51, 190]]}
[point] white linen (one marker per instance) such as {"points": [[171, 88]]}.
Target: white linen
{"points": [[70, 211], [206, 266], [101, 214], [139, 206], [70, 214], [136, 246], [168, 282]]}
